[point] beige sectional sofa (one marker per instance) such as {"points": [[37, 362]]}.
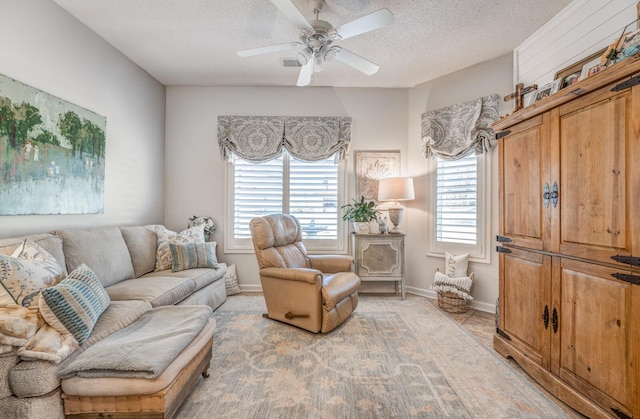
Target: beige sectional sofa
{"points": [[124, 259]]}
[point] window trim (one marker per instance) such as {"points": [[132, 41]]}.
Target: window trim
{"points": [[241, 246], [480, 251]]}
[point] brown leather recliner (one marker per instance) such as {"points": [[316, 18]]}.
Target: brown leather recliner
{"points": [[314, 292]]}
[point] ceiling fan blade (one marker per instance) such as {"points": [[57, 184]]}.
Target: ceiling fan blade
{"points": [[268, 49], [372, 21], [292, 13], [356, 61], [304, 78]]}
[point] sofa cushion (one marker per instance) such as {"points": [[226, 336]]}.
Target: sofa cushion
{"points": [[49, 242], [75, 304], [33, 378], [193, 255], [25, 273], [159, 291], [201, 277], [142, 243], [88, 246]]}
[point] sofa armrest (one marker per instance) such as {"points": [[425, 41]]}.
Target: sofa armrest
{"points": [[331, 263], [310, 276]]}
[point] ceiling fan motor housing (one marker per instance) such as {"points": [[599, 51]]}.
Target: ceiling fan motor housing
{"points": [[318, 42]]}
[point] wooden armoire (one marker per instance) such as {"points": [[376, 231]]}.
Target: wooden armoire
{"points": [[569, 242]]}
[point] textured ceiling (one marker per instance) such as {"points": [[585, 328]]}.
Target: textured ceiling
{"points": [[194, 42]]}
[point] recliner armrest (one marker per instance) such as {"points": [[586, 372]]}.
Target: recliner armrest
{"points": [[331, 263], [311, 276]]}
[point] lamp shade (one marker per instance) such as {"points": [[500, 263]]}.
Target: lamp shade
{"points": [[396, 189]]}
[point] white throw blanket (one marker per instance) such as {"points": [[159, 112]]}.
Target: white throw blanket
{"points": [[143, 349], [458, 286]]}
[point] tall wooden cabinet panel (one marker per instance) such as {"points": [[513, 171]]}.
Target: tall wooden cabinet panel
{"points": [[524, 167], [569, 243], [525, 295], [598, 184], [594, 339]]}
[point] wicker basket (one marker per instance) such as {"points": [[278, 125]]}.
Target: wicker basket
{"points": [[451, 303]]}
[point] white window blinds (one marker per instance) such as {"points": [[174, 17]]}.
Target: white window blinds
{"points": [[457, 199]]}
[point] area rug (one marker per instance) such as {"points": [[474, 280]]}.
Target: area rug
{"points": [[391, 359]]}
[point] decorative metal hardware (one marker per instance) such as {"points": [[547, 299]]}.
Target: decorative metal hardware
{"points": [[627, 84], [503, 239], [503, 334], [620, 414], [501, 249], [628, 260], [545, 316], [554, 194], [554, 320], [502, 134], [632, 279], [546, 195]]}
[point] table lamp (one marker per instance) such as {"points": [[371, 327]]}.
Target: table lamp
{"points": [[395, 189]]}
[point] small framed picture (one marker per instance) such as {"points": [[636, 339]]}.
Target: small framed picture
{"points": [[545, 91], [570, 79], [592, 67]]}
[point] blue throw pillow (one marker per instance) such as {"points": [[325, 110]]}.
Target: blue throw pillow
{"points": [[193, 255], [75, 304]]}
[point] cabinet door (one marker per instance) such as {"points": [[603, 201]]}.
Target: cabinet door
{"points": [[379, 256], [595, 342], [525, 282], [524, 165], [599, 176]]}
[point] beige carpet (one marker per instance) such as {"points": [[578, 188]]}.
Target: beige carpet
{"points": [[391, 359]]}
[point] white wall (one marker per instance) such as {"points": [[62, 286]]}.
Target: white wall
{"points": [[45, 47], [483, 79], [579, 30], [383, 119], [195, 171]]}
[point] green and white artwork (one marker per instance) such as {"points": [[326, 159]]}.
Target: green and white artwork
{"points": [[52, 154]]}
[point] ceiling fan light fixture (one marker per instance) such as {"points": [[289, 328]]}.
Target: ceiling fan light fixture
{"points": [[330, 53], [304, 55]]}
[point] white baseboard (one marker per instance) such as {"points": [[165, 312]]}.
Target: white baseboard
{"points": [[476, 305]]}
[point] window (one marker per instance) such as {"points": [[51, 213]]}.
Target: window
{"points": [[459, 207], [310, 191]]}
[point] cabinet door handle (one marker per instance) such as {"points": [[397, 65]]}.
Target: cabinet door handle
{"points": [[545, 316], [554, 194], [546, 195], [554, 320]]}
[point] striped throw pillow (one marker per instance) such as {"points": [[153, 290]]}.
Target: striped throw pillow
{"points": [[74, 305], [193, 255]]}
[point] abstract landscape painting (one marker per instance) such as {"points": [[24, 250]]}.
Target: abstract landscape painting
{"points": [[52, 154]]}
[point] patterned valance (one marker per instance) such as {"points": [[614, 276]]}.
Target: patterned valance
{"points": [[263, 138], [453, 132]]}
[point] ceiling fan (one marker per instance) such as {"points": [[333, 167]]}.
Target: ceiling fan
{"points": [[318, 39]]}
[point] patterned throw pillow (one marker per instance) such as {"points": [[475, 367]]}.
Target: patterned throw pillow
{"points": [[456, 265], [165, 237], [231, 281], [74, 305], [193, 255], [25, 273]]}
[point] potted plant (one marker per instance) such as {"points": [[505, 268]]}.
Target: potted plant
{"points": [[360, 213]]}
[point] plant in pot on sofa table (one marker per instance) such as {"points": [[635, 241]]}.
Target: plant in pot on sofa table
{"points": [[360, 213]]}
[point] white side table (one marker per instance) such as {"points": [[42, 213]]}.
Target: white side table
{"points": [[380, 257]]}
